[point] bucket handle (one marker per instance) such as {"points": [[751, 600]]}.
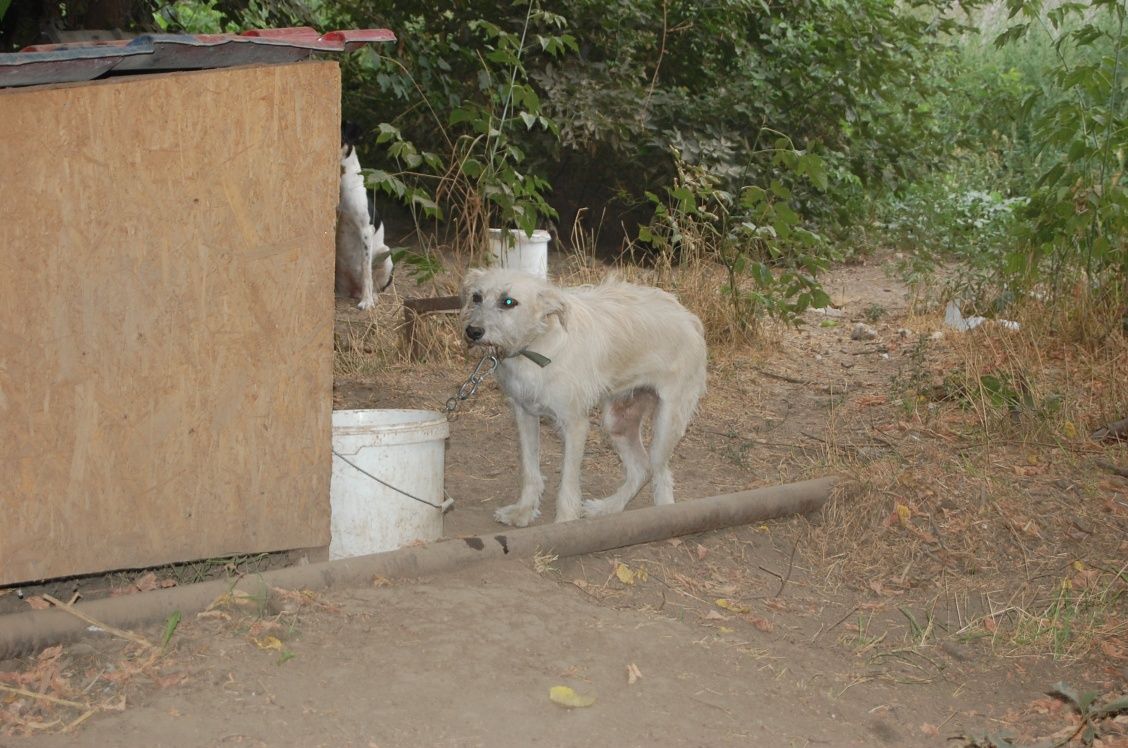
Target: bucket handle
{"points": [[445, 507]]}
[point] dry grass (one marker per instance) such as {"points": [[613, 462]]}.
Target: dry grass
{"points": [[985, 501], [367, 343]]}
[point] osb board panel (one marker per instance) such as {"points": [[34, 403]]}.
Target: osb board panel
{"points": [[166, 304]]}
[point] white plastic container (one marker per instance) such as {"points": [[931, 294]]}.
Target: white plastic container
{"points": [[520, 251], [402, 448]]}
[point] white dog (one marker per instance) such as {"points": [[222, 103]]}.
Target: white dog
{"points": [[364, 262], [633, 350]]}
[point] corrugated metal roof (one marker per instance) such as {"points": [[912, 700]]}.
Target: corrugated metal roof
{"points": [[81, 61]]}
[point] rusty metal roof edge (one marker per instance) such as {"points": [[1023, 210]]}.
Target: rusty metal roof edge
{"points": [[136, 46], [82, 61]]}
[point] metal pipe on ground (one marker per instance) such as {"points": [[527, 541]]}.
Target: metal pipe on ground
{"points": [[25, 632]]}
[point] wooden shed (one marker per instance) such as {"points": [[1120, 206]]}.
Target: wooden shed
{"points": [[166, 317]]}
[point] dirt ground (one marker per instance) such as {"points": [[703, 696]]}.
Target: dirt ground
{"points": [[797, 632]]}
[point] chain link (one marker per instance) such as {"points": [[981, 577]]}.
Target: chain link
{"points": [[469, 388]]}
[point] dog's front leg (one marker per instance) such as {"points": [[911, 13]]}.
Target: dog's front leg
{"points": [[574, 431], [527, 507]]}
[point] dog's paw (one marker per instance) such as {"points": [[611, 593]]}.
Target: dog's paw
{"points": [[597, 508], [516, 515], [366, 304]]}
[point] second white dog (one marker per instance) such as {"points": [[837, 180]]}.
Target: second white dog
{"points": [[632, 350], [364, 263]]}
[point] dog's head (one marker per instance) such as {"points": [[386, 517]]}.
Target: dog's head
{"points": [[508, 310], [350, 138]]}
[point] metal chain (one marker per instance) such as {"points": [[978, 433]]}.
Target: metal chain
{"points": [[469, 388]]}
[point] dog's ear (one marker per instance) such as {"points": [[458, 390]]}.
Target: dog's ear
{"points": [[554, 303], [471, 277]]}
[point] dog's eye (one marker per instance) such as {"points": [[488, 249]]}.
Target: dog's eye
{"points": [[476, 298], [508, 302]]}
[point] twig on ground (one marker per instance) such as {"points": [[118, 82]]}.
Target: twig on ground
{"points": [[1122, 472], [781, 377], [843, 618], [790, 565], [129, 635], [43, 696], [1114, 431]]}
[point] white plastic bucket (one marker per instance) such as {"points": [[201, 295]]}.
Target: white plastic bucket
{"points": [[521, 251], [402, 448]]}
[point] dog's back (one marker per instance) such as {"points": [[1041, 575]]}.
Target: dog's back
{"points": [[643, 320]]}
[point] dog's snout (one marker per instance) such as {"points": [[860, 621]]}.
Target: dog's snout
{"points": [[474, 333]]}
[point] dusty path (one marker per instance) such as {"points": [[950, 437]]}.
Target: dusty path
{"points": [[733, 637]]}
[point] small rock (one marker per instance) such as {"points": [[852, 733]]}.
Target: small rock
{"points": [[938, 335], [862, 331], [829, 311]]}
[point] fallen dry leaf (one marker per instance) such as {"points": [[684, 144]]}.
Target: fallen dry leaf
{"points": [[566, 697], [146, 582], [633, 674], [268, 642], [713, 615], [702, 552], [38, 603], [724, 602], [1045, 705], [763, 624], [51, 653], [929, 729], [627, 575]]}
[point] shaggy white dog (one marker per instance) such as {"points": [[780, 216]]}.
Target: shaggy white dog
{"points": [[632, 350], [364, 262]]}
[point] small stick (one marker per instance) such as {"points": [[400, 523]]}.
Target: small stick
{"points": [[790, 566], [45, 697], [85, 716], [1122, 472], [94, 622], [780, 377]]}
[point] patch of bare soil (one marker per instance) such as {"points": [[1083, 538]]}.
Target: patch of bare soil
{"points": [[941, 594]]}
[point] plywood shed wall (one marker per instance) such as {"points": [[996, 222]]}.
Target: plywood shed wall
{"points": [[166, 316]]}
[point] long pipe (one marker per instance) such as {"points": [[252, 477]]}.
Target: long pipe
{"points": [[29, 631]]}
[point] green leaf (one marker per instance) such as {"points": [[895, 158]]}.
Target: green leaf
{"points": [[780, 190], [752, 196], [1012, 34], [386, 132], [1112, 707], [170, 627]]}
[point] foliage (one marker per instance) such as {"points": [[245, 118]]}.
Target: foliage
{"points": [[755, 235], [1078, 212], [192, 17], [955, 215], [455, 112], [1090, 713]]}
